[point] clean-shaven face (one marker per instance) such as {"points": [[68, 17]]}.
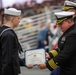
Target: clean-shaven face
{"points": [[16, 21]]}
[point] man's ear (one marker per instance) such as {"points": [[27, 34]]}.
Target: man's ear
{"points": [[12, 19], [69, 21]]}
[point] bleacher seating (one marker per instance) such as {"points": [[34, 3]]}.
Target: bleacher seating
{"points": [[28, 29]]}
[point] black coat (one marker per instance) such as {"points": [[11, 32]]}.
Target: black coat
{"points": [[9, 49], [74, 19], [66, 58]]}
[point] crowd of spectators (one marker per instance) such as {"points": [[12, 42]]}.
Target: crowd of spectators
{"points": [[32, 8]]}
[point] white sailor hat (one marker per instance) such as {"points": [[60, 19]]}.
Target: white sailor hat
{"points": [[63, 15], [12, 11], [69, 5]]}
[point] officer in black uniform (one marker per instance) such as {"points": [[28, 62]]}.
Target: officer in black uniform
{"points": [[65, 55], [70, 6]]}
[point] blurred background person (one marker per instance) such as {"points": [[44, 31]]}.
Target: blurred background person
{"points": [[41, 43], [49, 34], [71, 7]]}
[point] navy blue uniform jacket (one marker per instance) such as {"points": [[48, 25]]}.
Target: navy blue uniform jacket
{"points": [[9, 50], [66, 57]]}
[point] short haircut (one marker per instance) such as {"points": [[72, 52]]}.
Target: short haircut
{"points": [[8, 17]]}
